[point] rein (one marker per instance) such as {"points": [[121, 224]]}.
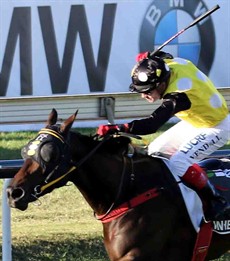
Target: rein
{"points": [[39, 189], [108, 212]]}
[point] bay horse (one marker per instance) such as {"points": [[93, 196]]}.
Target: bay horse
{"points": [[134, 196]]}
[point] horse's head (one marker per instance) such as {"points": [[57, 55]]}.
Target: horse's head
{"points": [[46, 165]]}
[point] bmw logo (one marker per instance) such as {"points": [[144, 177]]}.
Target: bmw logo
{"points": [[163, 19]]}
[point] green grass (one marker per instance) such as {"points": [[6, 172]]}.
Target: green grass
{"points": [[62, 226]]}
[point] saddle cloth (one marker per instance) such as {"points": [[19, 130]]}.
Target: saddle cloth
{"points": [[221, 180], [191, 199]]}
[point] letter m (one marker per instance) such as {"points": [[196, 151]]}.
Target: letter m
{"points": [[176, 3]]}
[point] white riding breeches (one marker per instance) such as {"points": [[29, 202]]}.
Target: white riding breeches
{"points": [[184, 144]]}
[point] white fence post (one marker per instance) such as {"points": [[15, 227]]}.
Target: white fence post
{"points": [[6, 225]]}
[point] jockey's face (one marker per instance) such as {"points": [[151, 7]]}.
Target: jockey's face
{"points": [[155, 94]]}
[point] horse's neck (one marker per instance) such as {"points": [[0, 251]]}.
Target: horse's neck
{"points": [[98, 182], [98, 177], [105, 176]]}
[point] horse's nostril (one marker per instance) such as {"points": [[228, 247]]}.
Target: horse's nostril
{"points": [[17, 193]]}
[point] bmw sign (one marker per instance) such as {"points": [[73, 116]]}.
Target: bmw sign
{"points": [[163, 19]]}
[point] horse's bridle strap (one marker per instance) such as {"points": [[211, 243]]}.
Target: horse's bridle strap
{"points": [[52, 133], [56, 180], [123, 208]]}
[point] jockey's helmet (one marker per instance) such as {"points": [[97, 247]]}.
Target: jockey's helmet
{"points": [[148, 73]]}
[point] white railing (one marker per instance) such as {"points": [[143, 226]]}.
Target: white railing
{"points": [[6, 225], [8, 168]]}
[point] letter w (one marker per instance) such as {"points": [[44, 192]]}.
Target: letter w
{"points": [[96, 73]]}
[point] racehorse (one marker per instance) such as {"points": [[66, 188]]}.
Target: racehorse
{"points": [[135, 196]]}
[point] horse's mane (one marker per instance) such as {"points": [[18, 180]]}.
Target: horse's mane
{"points": [[113, 145]]}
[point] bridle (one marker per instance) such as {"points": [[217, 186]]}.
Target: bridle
{"points": [[66, 165], [65, 158]]}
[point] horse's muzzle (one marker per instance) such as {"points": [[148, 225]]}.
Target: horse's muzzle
{"points": [[15, 198]]}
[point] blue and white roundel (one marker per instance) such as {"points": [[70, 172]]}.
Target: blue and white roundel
{"points": [[187, 45], [164, 19]]}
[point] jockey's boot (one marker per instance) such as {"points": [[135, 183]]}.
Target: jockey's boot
{"points": [[217, 206]]}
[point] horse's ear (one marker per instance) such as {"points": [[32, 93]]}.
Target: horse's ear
{"points": [[52, 119], [67, 124]]}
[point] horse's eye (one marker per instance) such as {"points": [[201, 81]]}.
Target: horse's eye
{"points": [[50, 152]]}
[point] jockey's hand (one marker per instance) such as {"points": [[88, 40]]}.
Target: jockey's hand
{"points": [[111, 129], [107, 129]]}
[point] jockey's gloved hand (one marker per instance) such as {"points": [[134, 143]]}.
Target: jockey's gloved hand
{"points": [[107, 129], [111, 129]]}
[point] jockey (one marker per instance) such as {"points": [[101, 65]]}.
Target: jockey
{"points": [[204, 124]]}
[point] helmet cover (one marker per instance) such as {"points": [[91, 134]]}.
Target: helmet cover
{"points": [[148, 73]]}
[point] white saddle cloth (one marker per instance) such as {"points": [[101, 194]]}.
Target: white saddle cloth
{"points": [[192, 201]]}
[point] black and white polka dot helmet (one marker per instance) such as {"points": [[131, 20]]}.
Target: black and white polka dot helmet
{"points": [[148, 74]]}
